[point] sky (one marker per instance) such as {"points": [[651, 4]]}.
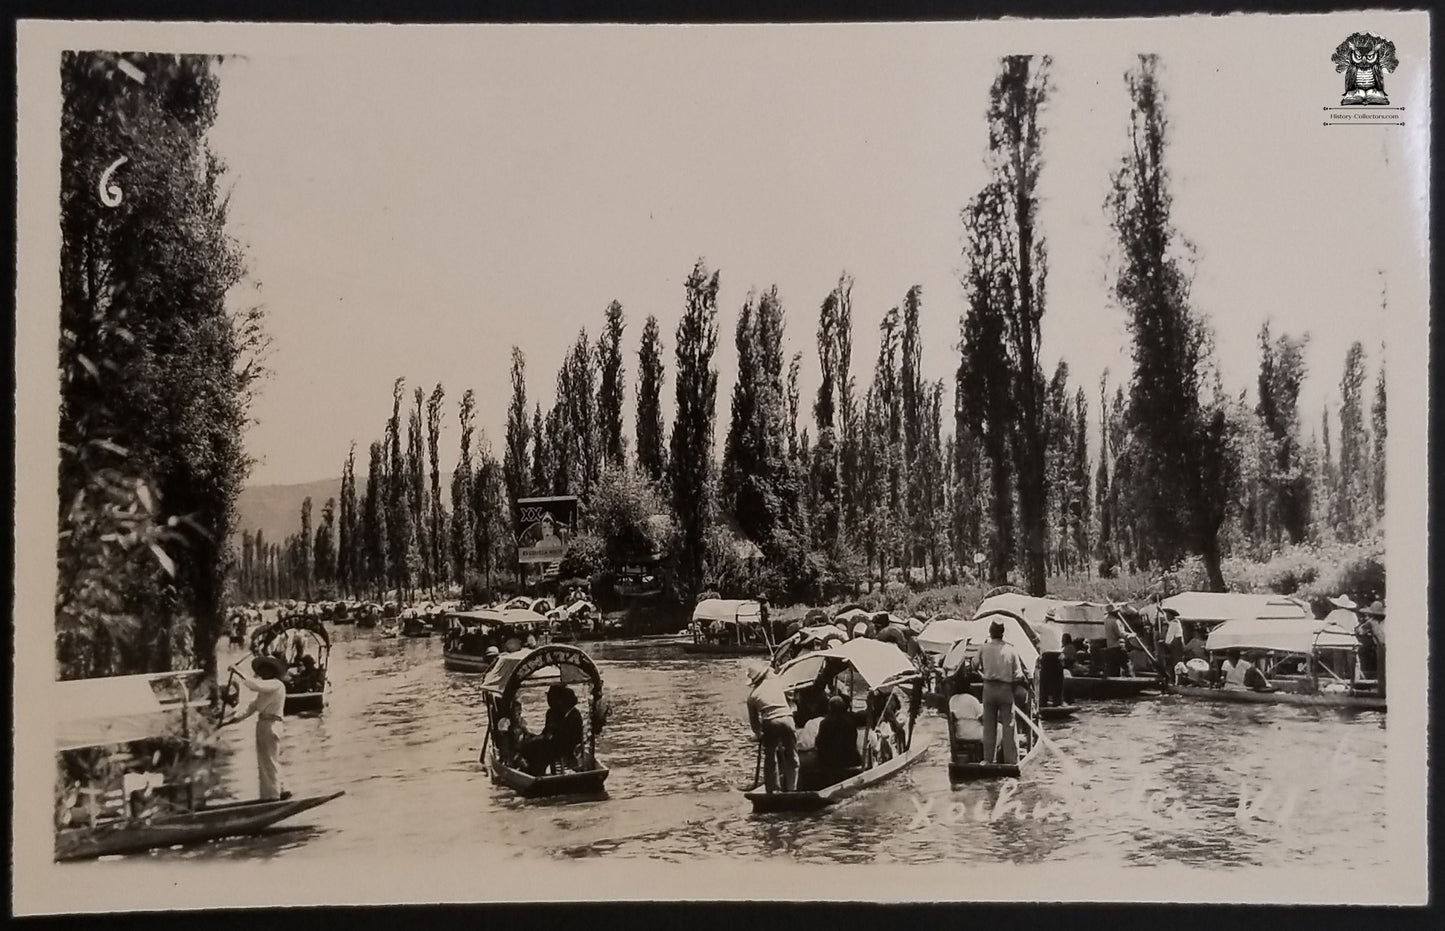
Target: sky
{"points": [[416, 207]]}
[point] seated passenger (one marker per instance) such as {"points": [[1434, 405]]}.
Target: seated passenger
{"points": [[1069, 653], [1254, 677], [1234, 670], [562, 734], [837, 740]]}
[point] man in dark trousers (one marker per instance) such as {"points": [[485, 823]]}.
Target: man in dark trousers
{"points": [[999, 668]]}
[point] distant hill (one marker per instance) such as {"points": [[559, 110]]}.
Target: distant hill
{"points": [[275, 510]]}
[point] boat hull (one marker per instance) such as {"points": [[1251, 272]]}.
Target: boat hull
{"points": [[1057, 712], [526, 785], [305, 703], [1236, 696], [727, 649], [465, 662], [233, 819], [1094, 687], [764, 801]]}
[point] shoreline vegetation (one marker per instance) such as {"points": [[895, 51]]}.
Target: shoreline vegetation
{"points": [[872, 490]]}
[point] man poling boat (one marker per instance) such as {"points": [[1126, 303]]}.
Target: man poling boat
{"points": [[880, 693], [989, 690], [154, 800]]}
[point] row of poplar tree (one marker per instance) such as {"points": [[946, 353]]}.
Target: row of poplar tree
{"points": [[876, 487]]}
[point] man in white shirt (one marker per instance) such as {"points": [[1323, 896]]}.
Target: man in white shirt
{"points": [[269, 706], [772, 719]]}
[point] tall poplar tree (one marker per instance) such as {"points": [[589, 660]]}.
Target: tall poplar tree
{"points": [[1184, 468], [651, 457], [611, 387], [516, 458], [691, 449]]}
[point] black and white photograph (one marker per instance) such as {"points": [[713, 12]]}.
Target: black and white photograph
{"points": [[861, 462]]}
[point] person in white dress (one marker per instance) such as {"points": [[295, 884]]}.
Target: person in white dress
{"points": [[269, 706]]}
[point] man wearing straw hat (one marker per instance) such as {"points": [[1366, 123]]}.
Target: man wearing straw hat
{"points": [[269, 705], [1374, 627], [772, 719]]}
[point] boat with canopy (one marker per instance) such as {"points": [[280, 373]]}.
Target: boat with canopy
{"points": [[1305, 661], [137, 806], [548, 763], [883, 692], [807, 640], [470, 633], [968, 759], [303, 644], [729, 627]]}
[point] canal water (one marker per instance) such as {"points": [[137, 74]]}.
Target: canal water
{"points": [[1151, 781]]}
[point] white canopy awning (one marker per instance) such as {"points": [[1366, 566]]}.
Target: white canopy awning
{"points": [[975, 635], [1215, 607], [1280, 635], [876, 662], [728, 609], [938, 636], [113, 710]]}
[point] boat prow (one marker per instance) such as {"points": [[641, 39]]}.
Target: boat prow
{"points": [[213, 822], [587, 782], [765, 801]]}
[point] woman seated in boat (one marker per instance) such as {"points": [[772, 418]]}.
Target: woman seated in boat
{"points": [[1234, 669], [306, 677], [1069, 654], [561, 737], [836, 744], [512, 735]]}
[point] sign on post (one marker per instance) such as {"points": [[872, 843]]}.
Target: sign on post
{"points": [[544, 525]]}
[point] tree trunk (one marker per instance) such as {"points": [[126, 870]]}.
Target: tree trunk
{"points": [[1209, 553]]}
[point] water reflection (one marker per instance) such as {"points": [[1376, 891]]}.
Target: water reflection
{"points": [[1153, 781]]}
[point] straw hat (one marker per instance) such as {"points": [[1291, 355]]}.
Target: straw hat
{"points": [[1346, 602], [262, 664], [756, 671], [1376, 609], [915, 626], [492, 651]]}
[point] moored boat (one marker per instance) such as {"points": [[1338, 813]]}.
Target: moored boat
{"points": [[537, 765], [730, 627], [127, 711], [1301, 661], [874, 675]]}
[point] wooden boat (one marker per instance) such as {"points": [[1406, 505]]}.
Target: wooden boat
{"points": [[470, 633], [1316, 646], [883, 677], [213, 822], [1361, 701], [551, 665], [1101, 687], [125, 710], [416, 626], [729, 627], [966, 765], [764, 801], [305, 688], [1057, 712]]}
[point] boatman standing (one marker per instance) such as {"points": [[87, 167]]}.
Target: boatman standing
{"points": [[772, 721], [269, 705], [999, 666], [1374, 625]]}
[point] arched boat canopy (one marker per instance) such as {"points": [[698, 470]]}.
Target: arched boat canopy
{"points": [[511, 671], [975, 635], [880, 665], [264, 637], [496, 617], [728, 610]]}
